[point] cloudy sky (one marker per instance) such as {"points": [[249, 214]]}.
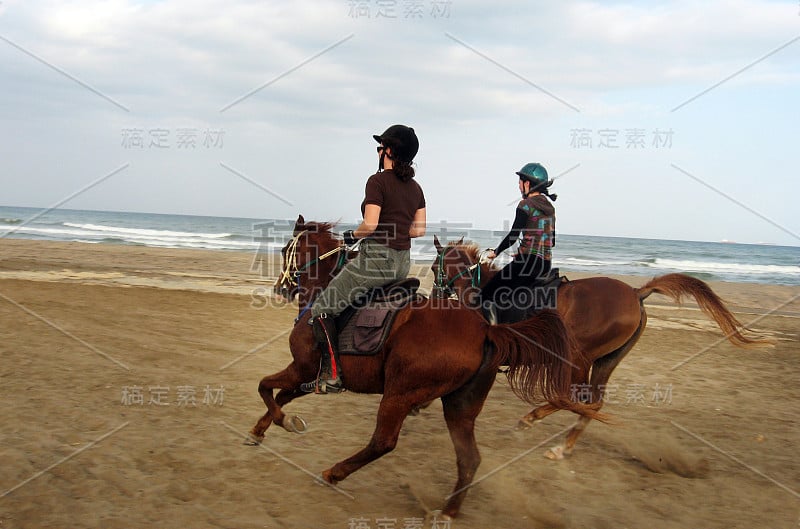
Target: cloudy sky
{"points": [[662, 119]]}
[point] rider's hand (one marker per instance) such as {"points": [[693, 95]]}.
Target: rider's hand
{"points": [[349, 238], [490, 254]]}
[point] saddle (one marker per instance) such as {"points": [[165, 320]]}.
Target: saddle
{"points": [[364, 327], [539, 295]]}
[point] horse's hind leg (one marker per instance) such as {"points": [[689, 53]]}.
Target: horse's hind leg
{"points": [[535, 416], [601, 372], [391, 413], [544, 410], [288, 381], [460, 410]]}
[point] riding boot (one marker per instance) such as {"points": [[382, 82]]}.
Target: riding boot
{"points": [[490, 312], [330, 380]]}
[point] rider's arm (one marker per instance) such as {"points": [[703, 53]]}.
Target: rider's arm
{"points": [[519, 223], [372, 213], [418, 225]]}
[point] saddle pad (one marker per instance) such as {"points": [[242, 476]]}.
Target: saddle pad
{"points": [[541, 295], [553, 279]]}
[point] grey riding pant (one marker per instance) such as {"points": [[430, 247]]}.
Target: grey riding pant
{"points": [[376, 265]]}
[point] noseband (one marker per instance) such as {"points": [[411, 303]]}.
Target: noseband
{"points": [[291, 273], [444, 286]]}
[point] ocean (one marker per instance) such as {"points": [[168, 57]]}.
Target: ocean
{"points": [[597, 255]]}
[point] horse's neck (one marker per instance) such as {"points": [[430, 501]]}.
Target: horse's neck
{"points": [[312, 291]]}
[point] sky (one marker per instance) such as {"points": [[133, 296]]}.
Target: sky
{"points": [[666, 120]]}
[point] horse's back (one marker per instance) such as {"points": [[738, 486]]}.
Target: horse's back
{"points": [[600, 310], [591, 290], [439, 341]]}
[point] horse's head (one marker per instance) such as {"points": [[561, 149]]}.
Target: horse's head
{"points": [[303, 267], [456, 269]]}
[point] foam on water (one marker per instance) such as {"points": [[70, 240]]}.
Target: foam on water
{"points": [[576, 253]]}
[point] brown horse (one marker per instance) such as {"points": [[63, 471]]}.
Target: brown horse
{"points": [[606, 317], [443, 350]]}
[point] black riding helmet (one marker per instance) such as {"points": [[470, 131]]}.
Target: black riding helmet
{"points": [[403, 141]]}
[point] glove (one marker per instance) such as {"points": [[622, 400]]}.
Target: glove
{"points": [[349, 238]]}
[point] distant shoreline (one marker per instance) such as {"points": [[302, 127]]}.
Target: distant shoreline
{"points": [[241, 273], [762, 264], [432, 226]]}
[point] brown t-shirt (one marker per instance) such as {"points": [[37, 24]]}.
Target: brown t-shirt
{"points": [[399, 202]]}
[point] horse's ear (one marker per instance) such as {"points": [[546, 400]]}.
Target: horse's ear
{"points": [[437, 243], [298, 226], [460, 241]]}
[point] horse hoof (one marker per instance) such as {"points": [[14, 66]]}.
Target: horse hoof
{"points": [[524, 424], [556, 453], [439, 516], [327, 476], [295, 424], [253, 440]]}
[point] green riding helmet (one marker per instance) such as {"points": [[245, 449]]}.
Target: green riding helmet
{"points": [[535, 173]]}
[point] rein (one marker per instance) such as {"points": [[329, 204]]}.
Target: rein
{"points": [[445, 286], [293, 277], [291, 272]]}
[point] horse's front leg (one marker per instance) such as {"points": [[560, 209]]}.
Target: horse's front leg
{"points": [[391, 413], [288, 381]]}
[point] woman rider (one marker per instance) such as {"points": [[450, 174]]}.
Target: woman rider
{"points": [[535, 221], [394, 212]]}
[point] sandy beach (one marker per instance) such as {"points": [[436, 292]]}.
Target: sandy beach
{"points": [[129, 379]]}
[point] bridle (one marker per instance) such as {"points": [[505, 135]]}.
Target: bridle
{"points": [[444, 286], [291, 273]]}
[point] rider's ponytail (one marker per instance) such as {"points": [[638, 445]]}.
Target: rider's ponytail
{"points": [[403, 170], [542, 188]]}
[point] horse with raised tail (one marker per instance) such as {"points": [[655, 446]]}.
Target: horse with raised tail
{"points": [[604, 316]]}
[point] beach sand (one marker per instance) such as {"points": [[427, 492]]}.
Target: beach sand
{"points": [[86, 330]]}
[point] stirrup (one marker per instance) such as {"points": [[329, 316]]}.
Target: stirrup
{"points": [[323, 386]]}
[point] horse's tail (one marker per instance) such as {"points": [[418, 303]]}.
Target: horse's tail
{"points": [[540, 355], [676, 286]]}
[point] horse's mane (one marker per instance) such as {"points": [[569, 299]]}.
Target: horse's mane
{"points": [[322, 228], [321, 234], [472, 251]]}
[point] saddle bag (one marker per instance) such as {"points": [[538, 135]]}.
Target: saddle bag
{"points": [[363, 330]]}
